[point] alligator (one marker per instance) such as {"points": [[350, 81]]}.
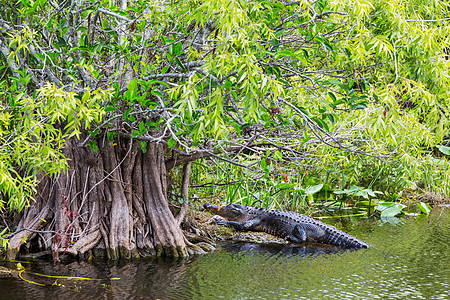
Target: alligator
{"points": [[291, 226]]}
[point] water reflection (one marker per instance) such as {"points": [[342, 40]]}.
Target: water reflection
{"points": [[281, 251], [408, 260]]}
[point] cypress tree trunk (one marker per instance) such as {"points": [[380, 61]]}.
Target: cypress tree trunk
{"points": [[112, 201]]}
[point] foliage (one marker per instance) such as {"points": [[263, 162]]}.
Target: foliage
{"points": [[338, 93], [33, 131], [389, 209], [358, 192], [424, 207], [4, 235], [389, 103]]}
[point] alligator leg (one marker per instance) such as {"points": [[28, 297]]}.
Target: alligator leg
{"points": [[298, 235], [306, 231], [244, 226]]}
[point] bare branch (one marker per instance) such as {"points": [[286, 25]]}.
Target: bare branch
{"points": [[115, 15]]}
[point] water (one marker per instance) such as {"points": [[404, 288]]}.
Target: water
{"points": [[409, 259]]}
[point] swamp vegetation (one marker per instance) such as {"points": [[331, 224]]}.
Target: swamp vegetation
{"points": [[119, 118]]}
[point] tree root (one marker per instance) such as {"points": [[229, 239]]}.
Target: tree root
{"points": [[87, 243], [198, 244], [111, 202]]}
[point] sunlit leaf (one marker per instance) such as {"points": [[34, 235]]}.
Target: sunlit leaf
{"points": [[389, 209], [424, 207], [284, 185], [444, 149], [313, 189]]}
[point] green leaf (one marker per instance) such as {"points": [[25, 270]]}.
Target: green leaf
{"points": [[389, 209], [332, 96], [444, 149], [143, 146], [132, 85], [95, 132], [331, 117], [327, 44], [300, 191], [177, 49], [157, 93], [93, 145], [178, 61], [86, 96], [237, 127], [110, 135], [126, 113], [39, 56], [277, 154], [159, 82], [142, 128], [171, 142], [284, 186], [333, 82], [313, 189], [62, 41], [302, 58], [322, 124], [264, 165], [287, 53], [424, 207]]}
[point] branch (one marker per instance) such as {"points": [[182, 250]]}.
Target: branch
{"points": [[184, 158], [314, 128], [47, 70], [5, 51], [116, 15], [170, 75]]}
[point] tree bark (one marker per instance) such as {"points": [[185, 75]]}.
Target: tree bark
{"points": [[184, 193], [110, 202]]}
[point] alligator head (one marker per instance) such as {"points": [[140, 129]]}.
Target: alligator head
{"points": [[231, 212]]}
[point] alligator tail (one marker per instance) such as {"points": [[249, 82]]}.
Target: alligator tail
{"points": [[338, 238]]}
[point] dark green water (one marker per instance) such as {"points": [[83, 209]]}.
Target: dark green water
{"points": [[409, 259]]}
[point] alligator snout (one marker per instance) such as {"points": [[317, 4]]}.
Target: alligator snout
{"points": [[210, 207]]}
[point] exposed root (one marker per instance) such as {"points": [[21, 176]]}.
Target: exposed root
{"points": [[86, 243], [198, 244]]}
